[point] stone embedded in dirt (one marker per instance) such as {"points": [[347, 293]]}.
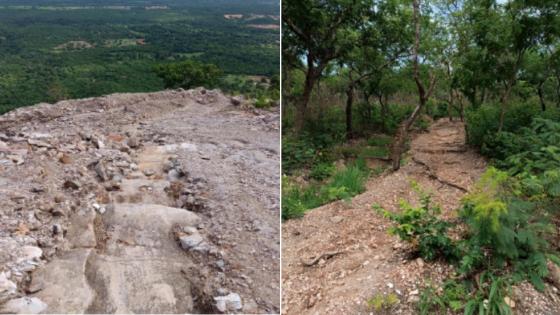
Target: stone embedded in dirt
{"points": [[101, 171], [337, 219], [7, 287], [112, 185], [72, 184], [228, 303], [38, 143], [17, 159], [23, 305], [57, 229], [32, 253], [35, 286], [85, 135], [221, 265], [97, 142], [149, 172], [173, 175], [59, 210], [133, 142], [65, 158], [190, 241], [190, 229], [37, 189], [58, 198], [99, 208], [236, 101]]}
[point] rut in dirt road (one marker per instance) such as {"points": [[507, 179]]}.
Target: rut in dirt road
{"points": [[353, 256], [140, 203]]}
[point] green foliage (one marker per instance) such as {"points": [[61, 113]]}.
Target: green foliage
{"points": [[508, 227], [452, 297], [321, 171], [33, 69], [297, 153], [506, 240], [380, 141], [486, 297], [189, 74], [421, 227], [490, 297], [534, 149], [483, 123], [344, 184], [383, 302]]}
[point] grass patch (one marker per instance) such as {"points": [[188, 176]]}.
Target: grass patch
{"points": [[380, 140], [344, 184]]}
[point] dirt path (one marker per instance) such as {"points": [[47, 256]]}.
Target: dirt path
{"points": [[361, 259], [156, 203]]}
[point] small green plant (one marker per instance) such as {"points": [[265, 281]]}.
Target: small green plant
{"points": [[430, 302], [322, 171], [421, 227], [490, 296], [381, 303]]}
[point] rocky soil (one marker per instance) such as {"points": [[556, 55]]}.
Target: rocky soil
{"points": [[161, 202], [340, 255]]}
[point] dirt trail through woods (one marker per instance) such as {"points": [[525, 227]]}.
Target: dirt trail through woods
{"points": [[340, 255], [140, 203]]}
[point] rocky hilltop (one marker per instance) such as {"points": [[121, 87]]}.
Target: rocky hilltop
{"points": [[161, 202]]}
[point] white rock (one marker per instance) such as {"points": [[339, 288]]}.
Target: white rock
{"points": [[6, 285], [190, 229], [228, 303], [173, 175], [190, 241], [30, 253], [24, 305]]}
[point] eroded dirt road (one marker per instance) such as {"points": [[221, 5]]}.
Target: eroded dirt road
{"points": [[147, 203], [360, 260]]}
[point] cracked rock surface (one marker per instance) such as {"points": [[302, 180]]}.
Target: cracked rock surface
{"points": [[162, 202]]}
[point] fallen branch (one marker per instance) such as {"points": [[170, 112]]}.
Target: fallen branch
{"points": [[326, 256], [433, 176]]}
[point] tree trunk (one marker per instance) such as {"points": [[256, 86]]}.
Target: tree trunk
{"points": [[401, 135], [450, 101], [503, 106], [558, 91], [461, 107], [483, 95], [541, 96], [349, 101], [310, 78], [509, 86], [384, 111]]}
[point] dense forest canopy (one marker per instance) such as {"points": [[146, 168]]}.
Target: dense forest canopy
{"points": [[51, 50]]}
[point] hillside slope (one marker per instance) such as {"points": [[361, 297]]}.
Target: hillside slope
{"points": [[149, 203], [340, 256]]}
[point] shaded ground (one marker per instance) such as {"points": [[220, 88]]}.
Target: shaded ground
{"points": [[353, 258], [144, 203]]}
